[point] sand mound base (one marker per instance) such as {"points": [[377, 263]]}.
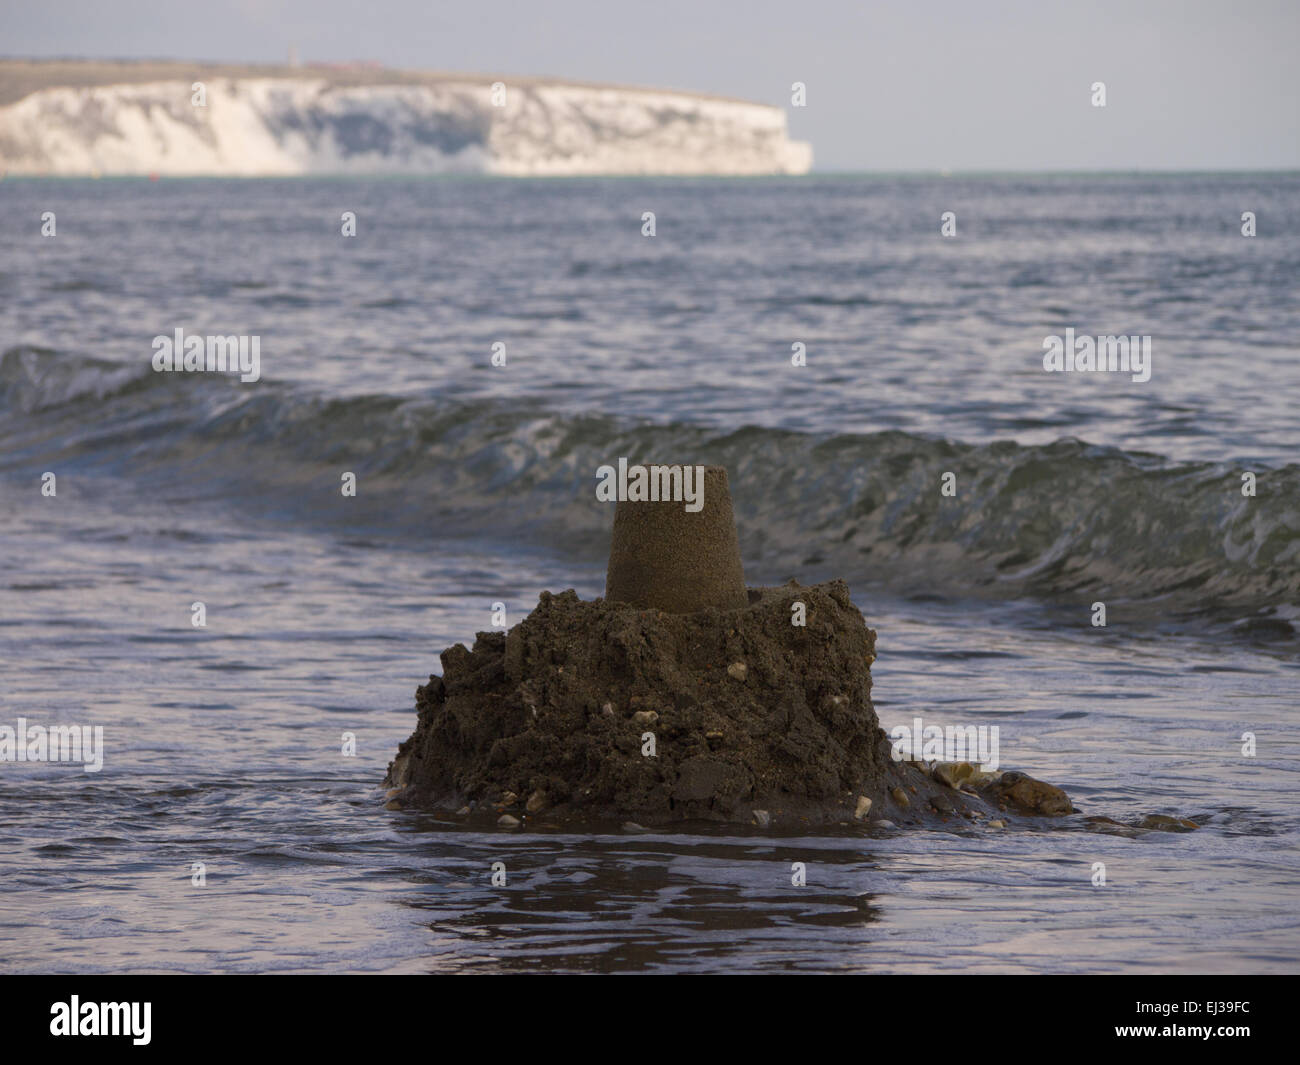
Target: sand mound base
{"points": [[599, 711]]}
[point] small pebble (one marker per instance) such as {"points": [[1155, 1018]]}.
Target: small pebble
{"points": [[506, 821], [645, 717], [762, 818], [863, 808], [1164, 823], [737, 671], [997, 824], [951, 773], [900, 796], [940, 804]]}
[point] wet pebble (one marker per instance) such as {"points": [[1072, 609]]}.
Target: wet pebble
{"points": [[1163, 823], [952, 773]]}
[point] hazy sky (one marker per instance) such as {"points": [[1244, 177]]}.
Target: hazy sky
{"points": [[900, 85]]}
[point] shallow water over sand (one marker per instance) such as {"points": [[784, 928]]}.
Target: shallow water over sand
{"points": [[224, 747]]}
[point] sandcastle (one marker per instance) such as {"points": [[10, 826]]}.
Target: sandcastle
{"points": [[681, 696]]}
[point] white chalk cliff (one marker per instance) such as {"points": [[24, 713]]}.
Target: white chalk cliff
{"points": [[312, 124]]}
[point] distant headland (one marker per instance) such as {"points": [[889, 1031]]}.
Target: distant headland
{"points": [[92, 117]]}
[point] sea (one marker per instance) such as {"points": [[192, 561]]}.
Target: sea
{"points": [[182, 567]]}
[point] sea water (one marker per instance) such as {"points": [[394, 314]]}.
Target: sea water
{"points": [[237, 822]]}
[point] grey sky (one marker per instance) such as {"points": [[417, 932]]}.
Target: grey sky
{"points": [[900, 85]]}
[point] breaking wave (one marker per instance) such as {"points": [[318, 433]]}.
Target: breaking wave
{"points": [[1068, 522]]}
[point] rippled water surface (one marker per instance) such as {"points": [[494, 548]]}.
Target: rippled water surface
{"points": [[223, 744]]}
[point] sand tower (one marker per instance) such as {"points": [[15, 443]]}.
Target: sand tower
{"points": [[664, 557]]}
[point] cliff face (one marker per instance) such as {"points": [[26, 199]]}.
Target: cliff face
{"points": [[311, 122]]}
